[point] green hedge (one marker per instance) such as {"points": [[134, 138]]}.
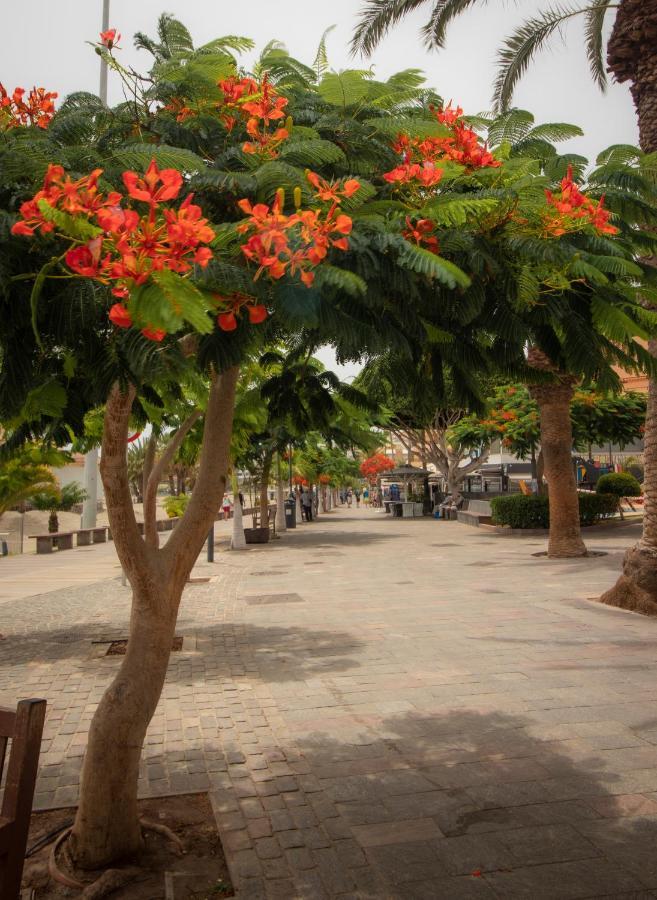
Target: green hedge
{"points": [[532, 511], [620, 484]]}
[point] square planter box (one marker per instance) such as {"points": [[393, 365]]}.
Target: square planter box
{"points": [[256, 535]]}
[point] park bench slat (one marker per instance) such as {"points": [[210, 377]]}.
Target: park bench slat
{"points": [[25, 728]]}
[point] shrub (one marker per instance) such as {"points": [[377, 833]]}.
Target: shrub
{"points": [[176, 506], [533, 511], [620, 484]]}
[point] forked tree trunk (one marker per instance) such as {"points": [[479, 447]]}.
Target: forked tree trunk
{"points": [[553, 399], [632, 56], [106, 826]]}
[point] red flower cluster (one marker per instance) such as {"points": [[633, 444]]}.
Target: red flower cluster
{"points": [[128, 247], [324, 479], [231, 307], [421, 157], [38, 109], [375, 465], [279, 243], [421, 233], [572, 208], [110, 39], [260, 105]]}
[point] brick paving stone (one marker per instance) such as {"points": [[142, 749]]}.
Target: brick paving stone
{"points": [[396, 832]]}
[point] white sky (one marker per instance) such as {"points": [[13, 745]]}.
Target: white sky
{"points": [[43, 43]]}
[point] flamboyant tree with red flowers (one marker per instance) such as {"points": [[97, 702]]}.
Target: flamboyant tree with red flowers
{"points": [[327, 208]]}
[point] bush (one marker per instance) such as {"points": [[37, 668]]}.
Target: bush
{"points": [[620, 484], [533, 511], [176, 506]]}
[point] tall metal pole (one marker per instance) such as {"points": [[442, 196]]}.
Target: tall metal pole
{"points": [[90, 505], [103, 64]]}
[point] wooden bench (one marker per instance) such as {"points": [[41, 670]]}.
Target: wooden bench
{"points": [[45, 542], [24, 728]]}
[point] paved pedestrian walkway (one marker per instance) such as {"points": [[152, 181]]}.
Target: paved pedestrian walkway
{"points": [[383, 708]]}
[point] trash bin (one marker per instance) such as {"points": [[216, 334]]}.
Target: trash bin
{"points": [[290, 514]]}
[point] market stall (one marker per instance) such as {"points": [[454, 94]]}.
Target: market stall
{"points": [[405, 491]]}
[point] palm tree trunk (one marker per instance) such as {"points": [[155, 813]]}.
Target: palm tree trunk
{"points": [[637, 587], [632, 56], [264, 496], [553, 399]]}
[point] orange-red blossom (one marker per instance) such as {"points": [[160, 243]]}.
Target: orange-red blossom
{"points": [[422, 157], [129, 246], [296, 243], [15, 110], [571, 208]]}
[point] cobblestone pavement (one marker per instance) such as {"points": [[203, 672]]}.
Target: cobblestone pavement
{"points": [[383, 708]]}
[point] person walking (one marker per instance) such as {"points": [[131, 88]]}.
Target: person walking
{"points": [[357, 496], [307, 504], [350, 497], [366, 496]]}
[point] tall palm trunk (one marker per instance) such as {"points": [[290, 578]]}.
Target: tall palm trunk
{"points": [[632, 56], [637, 587], [553, 399]]}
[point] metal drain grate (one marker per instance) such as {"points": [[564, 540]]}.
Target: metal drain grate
{"points": [[262, 599], [118, 648]]}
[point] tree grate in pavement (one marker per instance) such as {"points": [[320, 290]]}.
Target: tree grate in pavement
{"points": [[270, 572], [262, 599]]}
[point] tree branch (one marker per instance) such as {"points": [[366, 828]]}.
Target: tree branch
{"points": [[185, 543], [156, 474], [114, 473]]}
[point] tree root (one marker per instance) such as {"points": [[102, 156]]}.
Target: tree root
{"points": [[53, 869], [111, 879], [165, 832]]}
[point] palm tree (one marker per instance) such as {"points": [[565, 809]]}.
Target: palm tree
{"points": [[631, 51]]}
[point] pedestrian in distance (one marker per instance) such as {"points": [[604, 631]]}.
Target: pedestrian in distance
{"points": [[307, 504]]}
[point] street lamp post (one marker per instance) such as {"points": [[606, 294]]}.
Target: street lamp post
{"points": [[90, 505]]}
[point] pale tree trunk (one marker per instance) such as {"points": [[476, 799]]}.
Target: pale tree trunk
{"points": [[106, 826], [632, 56], [316, 505], [280, 498], [238, 541], [553, 399], [149, 462], [299, 512], [156, 471], [322, 495], [264, 494]]}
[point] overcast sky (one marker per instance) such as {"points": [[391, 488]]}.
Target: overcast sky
{"points": [[43, 43]]}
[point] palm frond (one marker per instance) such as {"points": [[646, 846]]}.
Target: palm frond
{"points": [[442, 14], [321, 63], [376, 19], [520, 48], [594, 41]]}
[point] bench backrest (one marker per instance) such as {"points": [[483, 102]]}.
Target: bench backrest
{"points": [[24, 728]]}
